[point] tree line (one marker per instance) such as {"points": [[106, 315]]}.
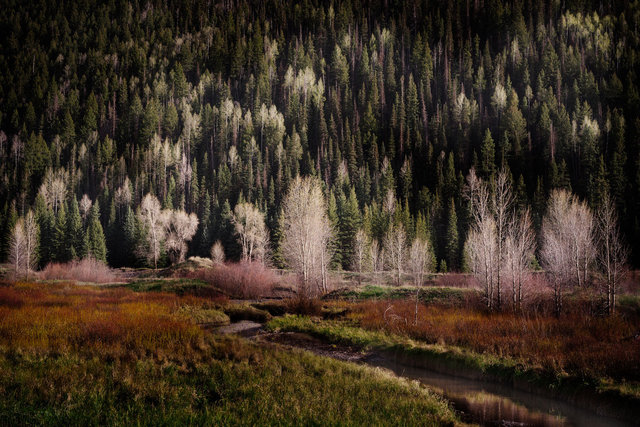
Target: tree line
{"points": [[213, 109]]}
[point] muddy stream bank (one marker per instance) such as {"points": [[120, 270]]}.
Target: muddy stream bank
{"points": [[477, 400]]}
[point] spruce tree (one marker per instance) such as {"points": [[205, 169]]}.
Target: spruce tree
{"points": [[487, 155], [12, 218], [451, 244], [60, 252], [227, 234], [349, 223], [46, 223], [74, 233], [95, 244], [131, 234], [332, 210]]}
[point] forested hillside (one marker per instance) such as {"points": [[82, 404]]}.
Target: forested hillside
{"points": [[207, 104]]}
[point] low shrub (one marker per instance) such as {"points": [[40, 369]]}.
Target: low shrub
{"points": [[240, 280], [85, 270], [247, 312], [301, 304], [275, 308]]}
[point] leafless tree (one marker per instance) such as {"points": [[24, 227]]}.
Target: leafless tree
{"points": [[54, 189], [217, 253], [419, 259], [500, 241], [252, 232], [360, 253], [179, 228], [519, 248], [307, 233], [17, 248], [395, 249], [567, 243], [502, 205], [85, 207], [419, 265], [376, 256], [123, 195], [612, 252], [23, 254], [150, 215], [481, 242], [32, 236]]}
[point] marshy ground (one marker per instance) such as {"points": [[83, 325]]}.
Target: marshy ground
{"points": [[173, 350]]}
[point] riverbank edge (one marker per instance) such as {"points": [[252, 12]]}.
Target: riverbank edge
{"points": [[586, 393]]}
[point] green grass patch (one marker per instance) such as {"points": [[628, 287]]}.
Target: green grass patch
{"points": [[454, 359], [246, 312], [234, 383], [179, 286], [203, 315], [427, 295]]}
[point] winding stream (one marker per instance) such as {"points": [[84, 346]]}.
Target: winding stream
{"points": [[493, 404], [482, 402]]}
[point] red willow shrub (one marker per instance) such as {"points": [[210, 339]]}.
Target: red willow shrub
{"points": [[577, 342], [240, 280], [85, 270]]}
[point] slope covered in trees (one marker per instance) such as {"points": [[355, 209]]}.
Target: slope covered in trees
{"points": [[208, 106]]}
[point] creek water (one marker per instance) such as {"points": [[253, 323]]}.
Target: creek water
{"points": [[492, 404], [481, 402]]}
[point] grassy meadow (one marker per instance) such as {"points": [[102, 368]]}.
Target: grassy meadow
{"points": [[74, 355]]}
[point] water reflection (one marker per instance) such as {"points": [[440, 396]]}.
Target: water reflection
{"points": [[492, 404]]}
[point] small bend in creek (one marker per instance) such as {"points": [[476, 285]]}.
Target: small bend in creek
{"points": [[482, 402]]}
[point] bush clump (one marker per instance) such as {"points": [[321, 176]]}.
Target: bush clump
{"points": [[85, 270], [240, 280]]}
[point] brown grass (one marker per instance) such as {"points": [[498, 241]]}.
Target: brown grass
{"points": [[114, 323], [456, 280], [240, 280], [578, 343], [85, 270]]}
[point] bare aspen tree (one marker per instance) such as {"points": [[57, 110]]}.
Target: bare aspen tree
{"points": [[395, 249], [612, 252], [31, 234], [179, 228], [17, 248], [567, 243], [307, 233], [360, 253], [252, 232], [322, 261], [54, 189], [23, 255], [519, 249], [85, 207], [419, 260], [481, 244], [502, 204], [217, 253], [375, 256], [151, 217], [481, 240]]}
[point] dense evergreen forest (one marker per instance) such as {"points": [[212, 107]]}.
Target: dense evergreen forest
{"points": [[209, 104]]}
